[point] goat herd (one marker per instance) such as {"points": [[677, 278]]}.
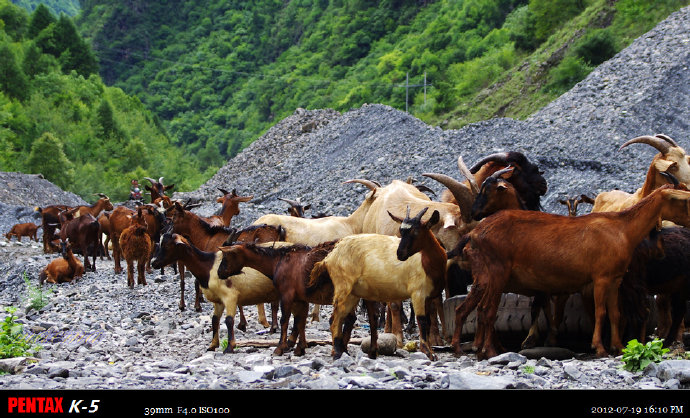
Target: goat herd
{"points": [[487, 231]]}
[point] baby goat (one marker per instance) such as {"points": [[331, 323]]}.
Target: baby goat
{"points": [[136, 246]]}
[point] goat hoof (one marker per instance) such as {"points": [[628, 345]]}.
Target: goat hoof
{"points": [[228, 350], [299, 351], [197, 308], [242, 327], [278, 351]]}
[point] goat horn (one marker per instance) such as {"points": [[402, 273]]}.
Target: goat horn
{"points": [[667, 139], [151, 180], [160, 180], [501, 172], [291, 202], [468, 175], [658, 143], [419, 215], [501, 157], [370, 184], [223, 191], [462, 194]]}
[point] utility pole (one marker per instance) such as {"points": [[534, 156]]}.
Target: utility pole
{"points": [[407, 86]]}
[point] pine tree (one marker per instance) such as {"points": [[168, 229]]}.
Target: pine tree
{"points": [[13, 81], [41, 18], [48, 158]]}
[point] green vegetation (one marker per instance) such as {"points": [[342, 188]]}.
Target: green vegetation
{"points": [[13, 342], [58, 118], [221, 73], [56, 7], [195, 82], [637, 356], [36, 296]]}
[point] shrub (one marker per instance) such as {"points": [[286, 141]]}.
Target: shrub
{"points": [[596, 47], [568, 73], [13, 342], [637, 356], [37, 297]]}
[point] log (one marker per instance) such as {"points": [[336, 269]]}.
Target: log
{"points": [[274, 343]]}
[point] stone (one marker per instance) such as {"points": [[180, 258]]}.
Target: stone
{"points": [[387, 344]]}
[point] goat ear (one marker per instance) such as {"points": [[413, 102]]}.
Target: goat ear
{"points": [[587, 199], [395, 218], [501, 187], [219, 200], [664, 165], [245, 199], [168, 187], [563, 202], [435, 217], [307, 207]]}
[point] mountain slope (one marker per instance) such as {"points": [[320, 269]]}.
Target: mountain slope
{"points": [[575, 139], [219, 74]]}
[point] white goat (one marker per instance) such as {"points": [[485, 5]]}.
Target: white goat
{"points": [[365, 266]]}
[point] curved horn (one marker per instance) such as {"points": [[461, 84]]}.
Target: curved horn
{"points": [[501, 157], [151, 180], [291, 202], [462, 194], [419, 215], [502, 171], [370, 184], [667, 139], [223, 191], [160, 180], [661, 145], [468, 175]]}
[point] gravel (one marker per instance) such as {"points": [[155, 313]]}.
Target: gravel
{"points": [[99, 334]]}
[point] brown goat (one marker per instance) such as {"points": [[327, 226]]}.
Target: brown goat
{"points": [[531, 252], [136, 246], [50, 223], [157, 188], [84, 233], [28, 229], [61, 270], [289, 268], [572, 202], [248, 288], [230, 208]]}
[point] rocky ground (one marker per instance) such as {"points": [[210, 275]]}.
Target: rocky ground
{"points": [[99, 334]]}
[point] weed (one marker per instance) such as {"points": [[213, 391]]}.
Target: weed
{"points": [[36, 295], [527, 369], [637, 356], [13, 342]]}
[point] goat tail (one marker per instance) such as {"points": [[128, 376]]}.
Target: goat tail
{"points": [[318, 277]]}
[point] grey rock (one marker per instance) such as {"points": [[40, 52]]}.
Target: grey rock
{"points": [[674, 369], [465, 380], [387, 344], [507, 358]]}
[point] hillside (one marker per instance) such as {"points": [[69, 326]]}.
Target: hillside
{"points": [[219, 74], [58, 118], [575, 139]]}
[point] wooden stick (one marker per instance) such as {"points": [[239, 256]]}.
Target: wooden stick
{"points": [[274, 343]]}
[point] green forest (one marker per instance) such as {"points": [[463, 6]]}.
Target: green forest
{"points": [[58, 118], [208, 78]]}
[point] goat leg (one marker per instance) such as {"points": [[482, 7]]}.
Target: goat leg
{"points": [[198, 298], [130, 274], [274, 317], [215, 324], [462, 312], [373, 320], [301, 312], [181, 268], [242, 325], [229, 321]]}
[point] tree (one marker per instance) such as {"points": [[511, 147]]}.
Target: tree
{"points": [[73, 52], [12, 79], [15, 19], [549, 14], [41, 18], [48, 158]]}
